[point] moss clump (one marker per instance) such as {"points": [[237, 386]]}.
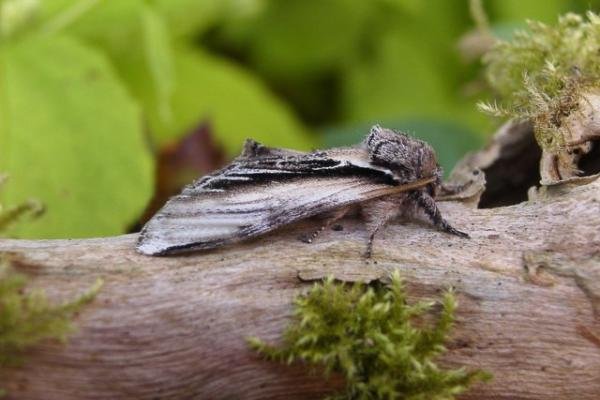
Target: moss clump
{"points": [[368, 335], [541, 73], [12, 214], [26, 317]]}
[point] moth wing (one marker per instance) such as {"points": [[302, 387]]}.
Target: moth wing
{"points": [[204, 219]]}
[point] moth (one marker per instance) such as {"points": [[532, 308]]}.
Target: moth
{"points": [[388, 175]]}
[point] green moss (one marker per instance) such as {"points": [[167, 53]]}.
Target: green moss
{"points": [[368, 334], [26, 317], [542, 72], [12, 214]]}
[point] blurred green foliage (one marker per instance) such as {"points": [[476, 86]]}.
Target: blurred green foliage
{"points": [[91, 90]]}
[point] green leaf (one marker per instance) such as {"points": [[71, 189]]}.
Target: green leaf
{"points": [[190, 17], [295, 37], [413, 69], [402, 79], [176, 95], [71, 136], [16, 15], [137, 39], [100, 21], [159, 61], [520, 10], [111, 19], [234, 102]]}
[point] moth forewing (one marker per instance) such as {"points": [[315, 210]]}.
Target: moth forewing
{"points": [[212, 219]]}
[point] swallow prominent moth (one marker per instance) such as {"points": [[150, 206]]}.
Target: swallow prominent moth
{"points": [[388, 175]]}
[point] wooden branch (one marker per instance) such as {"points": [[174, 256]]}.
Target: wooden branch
{"points": [[528, 284], [175, 327]]}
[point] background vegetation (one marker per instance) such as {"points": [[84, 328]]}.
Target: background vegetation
{"points": [[105, 105]]}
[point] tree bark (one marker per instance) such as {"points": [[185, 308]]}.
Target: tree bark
{"points": [[528, 284]]}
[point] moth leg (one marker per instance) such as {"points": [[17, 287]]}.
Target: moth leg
{"points": [[424, 204], [372, 232], [330, 218], [377, 214]]}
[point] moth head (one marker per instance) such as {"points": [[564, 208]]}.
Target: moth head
{"points": [[407, 157]]}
